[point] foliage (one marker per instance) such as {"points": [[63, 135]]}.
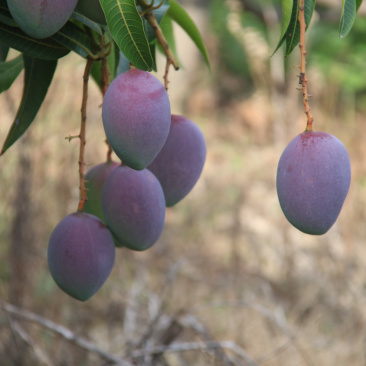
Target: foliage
{"points": [[128, 35]]}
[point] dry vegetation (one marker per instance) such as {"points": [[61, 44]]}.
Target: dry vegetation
{"points": [[230, 282]]}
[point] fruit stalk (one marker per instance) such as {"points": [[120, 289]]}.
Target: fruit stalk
{"points": [[106, 79], [82, 135], [303, 79], [170, 59]]}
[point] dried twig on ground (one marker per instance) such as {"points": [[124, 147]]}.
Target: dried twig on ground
{"points": [[64, 332]]}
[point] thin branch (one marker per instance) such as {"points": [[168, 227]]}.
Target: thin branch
{"points": [[171, 60], [196, 346], [303, 79], [65, 333], [106, 79], [82, 135]]}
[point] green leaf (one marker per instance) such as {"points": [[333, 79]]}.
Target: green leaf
{"points": [[287, 6], [182, 18], [127, 30], [86, 21], [74, 38], [9, 71], [358, 4], [4, 50], [293, 31], [47, 48], [37, 78], [348, 17]]}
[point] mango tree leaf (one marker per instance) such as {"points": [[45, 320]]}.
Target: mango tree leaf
{"points": [[74, 38], [9, 71], [182, 18], [127, 30], [4, 50], [86, 21], [287, 6], [293, 31], [348, 17], [123, 64], [37, 78], [47, 48]]}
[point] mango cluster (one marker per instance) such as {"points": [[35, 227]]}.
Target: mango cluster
{"points": [[313, 179], [162, 157]]}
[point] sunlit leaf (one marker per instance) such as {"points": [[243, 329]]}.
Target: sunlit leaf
{"points": [[37, 79], [127, 30], [9, 71]]}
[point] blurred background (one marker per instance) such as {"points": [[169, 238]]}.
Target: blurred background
{"points": [[230, 282]]}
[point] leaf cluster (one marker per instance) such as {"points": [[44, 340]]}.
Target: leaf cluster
{"points": [[127, 39], [290, 28]]}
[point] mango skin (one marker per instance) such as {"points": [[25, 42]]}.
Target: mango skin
{"points": [[81, 255], [92, 10], [313, 179], [179, 164], [136, 117], [94, 181], [133, 207], [41, 18]]}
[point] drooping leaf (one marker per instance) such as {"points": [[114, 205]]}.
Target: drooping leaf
{"points": [[47, 48], [153, 54], [293, 31], [181, 17], [287, 7], [9, 71], [37, 79], [74, 38], [86, 21], [127, 30], [348, 17], [123, 64]]}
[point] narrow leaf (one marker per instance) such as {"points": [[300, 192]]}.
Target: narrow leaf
{"points": [[47, 48], [127, 30], [348, 17], [181, 17], [74, 38], [287, 6], [293, 32], [37, 78], [9, 71], [86, 21]]}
